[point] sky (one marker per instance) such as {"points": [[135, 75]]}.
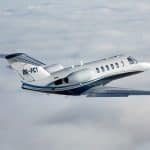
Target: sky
{"points": [[66, 32]]}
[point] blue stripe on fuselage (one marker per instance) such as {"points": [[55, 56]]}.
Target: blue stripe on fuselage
{"points": [[79, 89]]}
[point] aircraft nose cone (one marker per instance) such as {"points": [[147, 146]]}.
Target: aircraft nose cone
{"points": [[145, 66]]}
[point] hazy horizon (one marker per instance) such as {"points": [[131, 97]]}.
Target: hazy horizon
{"points": [[66, 32]]}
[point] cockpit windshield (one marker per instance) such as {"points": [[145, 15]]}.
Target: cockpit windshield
{"points": [[131, 60]]}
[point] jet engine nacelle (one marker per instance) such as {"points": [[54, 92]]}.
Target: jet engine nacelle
{"points": [[81, 76], [54, 68]]}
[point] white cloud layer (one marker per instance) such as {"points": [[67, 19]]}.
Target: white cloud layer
{"points": [[65, 32]]}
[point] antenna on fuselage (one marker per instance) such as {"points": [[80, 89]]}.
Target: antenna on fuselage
{"points": [[81, 63]]}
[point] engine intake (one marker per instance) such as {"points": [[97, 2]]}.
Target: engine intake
{"points": [[81, 76]]}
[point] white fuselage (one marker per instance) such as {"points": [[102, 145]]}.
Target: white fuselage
{"points": [[85, 79], [90, 74]]}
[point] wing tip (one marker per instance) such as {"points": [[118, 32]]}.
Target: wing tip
{"points": [[3, 55], [10, 56]]}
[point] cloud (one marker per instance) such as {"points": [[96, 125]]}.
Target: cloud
{"points": [[65, 32], [87, 113]]}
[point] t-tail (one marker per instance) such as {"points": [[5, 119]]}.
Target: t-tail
{"points": [[28, 68]]}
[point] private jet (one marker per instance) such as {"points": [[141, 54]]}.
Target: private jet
{"points": [[89, 79]]}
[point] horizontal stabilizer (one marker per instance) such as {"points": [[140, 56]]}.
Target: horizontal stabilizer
{"points": [[21, 57]]}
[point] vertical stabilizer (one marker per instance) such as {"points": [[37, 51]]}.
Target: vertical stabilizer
{"points": [[28, 68]]}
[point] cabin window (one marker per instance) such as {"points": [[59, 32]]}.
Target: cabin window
{"points": [[98, 70], [112, 66], [103, 69], [122, 62], [58, 82], [107, 67], [66, 80], [117, 65]]}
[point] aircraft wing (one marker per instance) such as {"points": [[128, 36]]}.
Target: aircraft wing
{"points": [[114, 92]]}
